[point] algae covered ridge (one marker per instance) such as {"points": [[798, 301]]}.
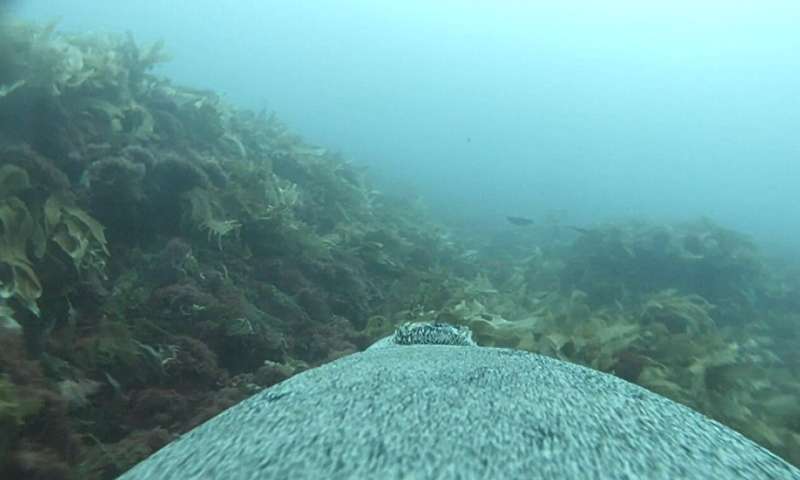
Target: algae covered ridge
{"points": [[164, 255]]}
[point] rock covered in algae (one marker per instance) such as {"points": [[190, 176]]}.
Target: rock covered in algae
{"points": [[439, 408]]}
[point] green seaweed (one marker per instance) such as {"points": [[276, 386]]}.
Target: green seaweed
{"points": [[19, 280], [79, 235]]}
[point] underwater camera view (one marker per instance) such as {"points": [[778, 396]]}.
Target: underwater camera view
{"points": [[351, 239]]}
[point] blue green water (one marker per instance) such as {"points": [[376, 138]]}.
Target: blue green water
{"points": [[486, 108]]}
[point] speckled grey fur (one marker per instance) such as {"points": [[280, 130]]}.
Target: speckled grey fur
{"points": [[428, 333], [454, 412]]}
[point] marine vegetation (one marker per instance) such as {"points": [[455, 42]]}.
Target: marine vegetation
{"points": [[164, 255]]}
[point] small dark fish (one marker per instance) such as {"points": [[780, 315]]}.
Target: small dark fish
{"points": [[584, 231], [520, 221]]}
